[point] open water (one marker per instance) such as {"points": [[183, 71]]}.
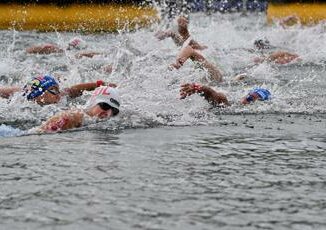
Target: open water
{"points": [[166, 163]]}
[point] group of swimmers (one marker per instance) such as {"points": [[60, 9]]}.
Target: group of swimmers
{"points": [[105, 100], [45, 90], [191, 49]]}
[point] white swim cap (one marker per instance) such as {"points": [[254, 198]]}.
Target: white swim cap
{"points": [[77, 43], [105, 94]]}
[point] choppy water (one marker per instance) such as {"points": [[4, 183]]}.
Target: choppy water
{"points": [[165, 163]]}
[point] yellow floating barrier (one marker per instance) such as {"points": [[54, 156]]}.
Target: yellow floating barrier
{"points": [[307, 13], [83, 17]]}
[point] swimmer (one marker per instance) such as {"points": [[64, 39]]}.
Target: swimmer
{"points": [[289, 21], [218, 98], [278, 57], [182, 37], [75, 43], [189, 52], [45, 90], [103, 104]]}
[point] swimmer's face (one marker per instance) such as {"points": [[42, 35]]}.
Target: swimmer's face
{"points": [[261, 44], [249, 98], [101, 112], [50, 96]]}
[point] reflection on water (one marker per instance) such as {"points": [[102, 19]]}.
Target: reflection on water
{"points": [[228, 175]]}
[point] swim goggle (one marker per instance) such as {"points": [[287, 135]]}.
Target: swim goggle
{"points": [[38, 92], [250, 97], [106, 107]]}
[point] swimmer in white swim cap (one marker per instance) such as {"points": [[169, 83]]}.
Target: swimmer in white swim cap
{"points": [[104, 104]]}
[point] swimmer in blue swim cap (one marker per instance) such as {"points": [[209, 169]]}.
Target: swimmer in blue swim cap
{"points": [[44, 90], [260, 94], [103, 104], [217, 98]]}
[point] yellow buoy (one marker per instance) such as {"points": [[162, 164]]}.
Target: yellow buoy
{"points": [[307, 13], [84, 17]]}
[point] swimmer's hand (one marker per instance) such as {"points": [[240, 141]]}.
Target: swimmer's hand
{"points": [[161, 35], [182, 21], [36, 130], [178, 63], [195, 45], [189, 88], [241, 77], [103, 83], [107, 68]]}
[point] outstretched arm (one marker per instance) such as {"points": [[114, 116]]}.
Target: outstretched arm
{"points": [[62, 121], [44, 49], [181, 38], [77, 90], [278, 57], [183, 27], [88, 54], [7, 92], [282, 57], [177, 39], [188, 52], [184, 33], [212, 96]]}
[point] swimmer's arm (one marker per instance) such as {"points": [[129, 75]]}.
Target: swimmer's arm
{"points": [[44, 49], [188, 52], [184, 33], [77, 90], [184, 54], [177, 39], [213, 71], [183, 28], [7, 92], [88, 54], [213, 97], [282, 57], [195, 45], [63, 121], [258, 60]]}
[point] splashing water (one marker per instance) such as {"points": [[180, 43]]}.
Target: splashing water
{"points": [[8, 131], [150, 91]]}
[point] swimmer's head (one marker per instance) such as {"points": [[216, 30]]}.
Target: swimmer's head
{"points": [[260, 94], [40, 85], [77, 43], [241, 77], [262, 44], [106, 98]]}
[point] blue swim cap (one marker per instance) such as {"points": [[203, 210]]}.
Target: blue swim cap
{"points": [[38, 85], [263, 94]]}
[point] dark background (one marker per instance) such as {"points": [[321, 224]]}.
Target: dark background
{"points": [[65, 2]]}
